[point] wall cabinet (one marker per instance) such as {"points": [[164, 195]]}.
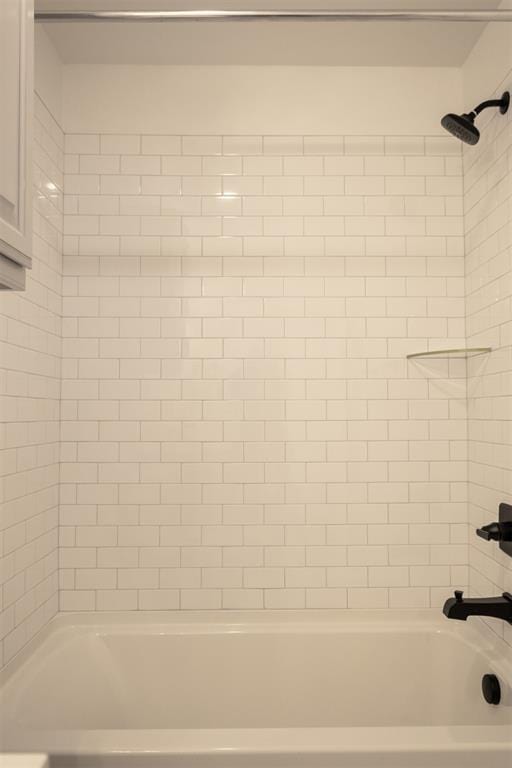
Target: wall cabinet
{"points": [[16, 96]]}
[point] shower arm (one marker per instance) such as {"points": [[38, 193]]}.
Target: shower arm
{"points": [[486, 105], [502, 103]]}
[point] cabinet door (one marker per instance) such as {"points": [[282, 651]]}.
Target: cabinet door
{"points": [[16, 84]]}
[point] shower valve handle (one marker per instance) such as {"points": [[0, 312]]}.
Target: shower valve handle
{"points": [[489, 532], [500, 531]]}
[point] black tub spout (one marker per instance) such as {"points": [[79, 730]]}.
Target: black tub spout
{"points": [[459, 607]]}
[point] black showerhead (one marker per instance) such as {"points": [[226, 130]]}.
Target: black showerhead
{"points": [[463, 126]]}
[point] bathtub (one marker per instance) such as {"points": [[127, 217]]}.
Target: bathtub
{"points": [[260, 689]]}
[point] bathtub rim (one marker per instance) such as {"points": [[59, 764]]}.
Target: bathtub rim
{"points": [[246, 742]]}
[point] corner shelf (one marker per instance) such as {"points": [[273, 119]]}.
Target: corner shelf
{"points": [[462, 352]]}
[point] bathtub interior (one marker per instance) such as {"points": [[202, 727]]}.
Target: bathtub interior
{"points": [[269, 675]]}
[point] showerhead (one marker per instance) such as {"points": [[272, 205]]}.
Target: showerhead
{"points": [[463, 126]]}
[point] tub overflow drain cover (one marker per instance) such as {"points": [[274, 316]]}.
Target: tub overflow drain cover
{"points": [[491, 689]]}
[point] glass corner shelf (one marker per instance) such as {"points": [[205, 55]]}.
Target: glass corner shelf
{"points": [[464, 352]]}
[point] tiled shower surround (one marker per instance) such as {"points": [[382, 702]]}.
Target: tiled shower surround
{"points": [[488, 223], [30, 357], [240, 425]]}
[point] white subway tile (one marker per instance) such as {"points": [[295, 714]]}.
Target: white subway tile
{"points": [[160, 145], [202, 145], [118, 144], [242, 145]]}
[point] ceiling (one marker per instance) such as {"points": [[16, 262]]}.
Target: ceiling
{"points": [[265, 43]]}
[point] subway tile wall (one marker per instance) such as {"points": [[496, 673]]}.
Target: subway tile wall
{"points": [[30, 346], [488, 223], [240, 425]]}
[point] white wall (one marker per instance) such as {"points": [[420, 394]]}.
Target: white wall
{"points": [[489, 63], [48, 73], [259, 100]]}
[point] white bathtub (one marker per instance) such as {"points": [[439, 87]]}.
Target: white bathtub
{"points": [[269, 689]]}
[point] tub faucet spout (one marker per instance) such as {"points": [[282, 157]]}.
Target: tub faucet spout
{"points": [[459, 607]]}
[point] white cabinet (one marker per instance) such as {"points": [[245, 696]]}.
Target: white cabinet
{"points": [[16, 87]]}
